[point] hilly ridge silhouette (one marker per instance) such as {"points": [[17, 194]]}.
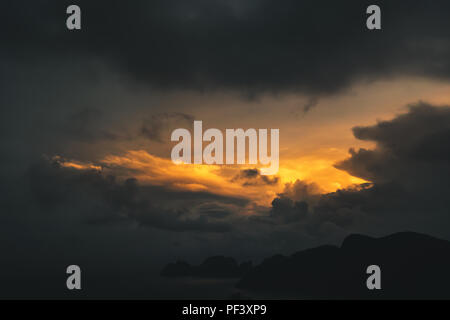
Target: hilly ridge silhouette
{"points": [[413, 266], [212, 267]]}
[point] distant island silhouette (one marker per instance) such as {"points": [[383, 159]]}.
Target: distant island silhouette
{"points": [[213, 267], [413, 266]]}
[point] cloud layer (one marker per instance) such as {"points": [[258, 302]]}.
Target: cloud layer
{"points": [[406, 169], [256, 46]]}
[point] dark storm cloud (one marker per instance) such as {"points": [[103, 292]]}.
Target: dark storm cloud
{"points": [[408, 169], [292, 205], [82, 125], [254, 46], [158, 126], [286, 210], [251, 177], [101, 199], [409, 148], [311, 103], [301, 191]]}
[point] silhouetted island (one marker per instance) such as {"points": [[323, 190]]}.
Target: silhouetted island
{"points": [[213, 267], [412, 266]]}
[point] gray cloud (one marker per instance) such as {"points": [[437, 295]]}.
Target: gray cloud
{"points": [[410, 149], [159, 126], [84, 125], [286, 210], [251, 177], [103, 200], [259, 46], [406, 168], [407, 191]]}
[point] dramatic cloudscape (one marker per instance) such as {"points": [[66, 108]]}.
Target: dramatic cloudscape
{"points": [[86, 117]]}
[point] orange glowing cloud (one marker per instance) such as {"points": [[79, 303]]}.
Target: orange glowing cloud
{"points": [[318, 167], [75, 164], [225, 180], [153, 170]]}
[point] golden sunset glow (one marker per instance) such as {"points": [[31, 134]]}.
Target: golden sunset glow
{"points": [[75, 164], [318, 168], [223, 179], [310, 146], [153, 170]]}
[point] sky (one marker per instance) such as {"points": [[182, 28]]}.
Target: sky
{"points": [[86, 118]]}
